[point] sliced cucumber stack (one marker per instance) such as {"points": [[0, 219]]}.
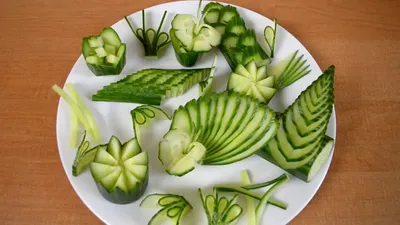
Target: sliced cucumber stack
{"points": [[216, 129], [104, 53], [239, 45], [191, 37], [152, 41], [300, 137], [120, 171], [171, 207], [151, 86], [220, 210], [252, 80]]}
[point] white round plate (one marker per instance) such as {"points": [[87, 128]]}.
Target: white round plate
{"points": [[114, 119]]}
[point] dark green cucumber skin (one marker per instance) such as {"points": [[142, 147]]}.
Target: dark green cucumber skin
{"points": [[104, 70], [187, 59], [121, 197]]}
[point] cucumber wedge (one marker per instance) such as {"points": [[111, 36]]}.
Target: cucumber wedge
{"points": [[120, 171], [171, 207], [220, 210], [252, 80], [104, 53], [216, 129], [302, 127]]}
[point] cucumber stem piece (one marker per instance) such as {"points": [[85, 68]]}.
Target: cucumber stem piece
{"points": [[151, 40]]}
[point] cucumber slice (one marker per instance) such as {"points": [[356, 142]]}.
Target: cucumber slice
{"points": [[120, 171], [219, 128], [171, 207], [301, 133], [250, 80]]}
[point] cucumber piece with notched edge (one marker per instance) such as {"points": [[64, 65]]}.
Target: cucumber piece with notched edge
{"points": [[199, 132], [120, 171], [302, 128]]}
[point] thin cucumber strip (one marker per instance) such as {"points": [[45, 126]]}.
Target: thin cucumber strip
{"points": [[251, 212], [229, 188], [263, 202], [74, 106], [93, 125], [74, 126], [264, 184]]}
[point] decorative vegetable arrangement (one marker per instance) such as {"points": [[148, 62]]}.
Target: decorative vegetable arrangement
{"points": [[214, 129], [104, 53], [152, 41], [191, 37]]}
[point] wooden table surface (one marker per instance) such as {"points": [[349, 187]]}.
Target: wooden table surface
{"points": [[40, 40]]}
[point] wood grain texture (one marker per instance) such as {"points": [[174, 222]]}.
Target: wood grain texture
{"points": [[40, 41]]}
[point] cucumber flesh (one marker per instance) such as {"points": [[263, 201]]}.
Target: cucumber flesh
{"points": [[301, 135], [120, 171], [251, 212], [249, 80]]}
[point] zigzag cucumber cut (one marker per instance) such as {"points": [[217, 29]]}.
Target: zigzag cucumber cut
{"points": [[252, 80], [239, 45], [301, 135], [216, 129], [120, 171], [220, 210], [171, 207], [151, 86]]}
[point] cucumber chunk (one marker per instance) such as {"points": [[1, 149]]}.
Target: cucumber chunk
{"points": [[301, 135], [120, 171], [101, 55]]}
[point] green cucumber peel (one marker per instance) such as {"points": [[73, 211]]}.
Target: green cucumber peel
{"points": [[270, 36], [152, 40], [171, 207]]}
